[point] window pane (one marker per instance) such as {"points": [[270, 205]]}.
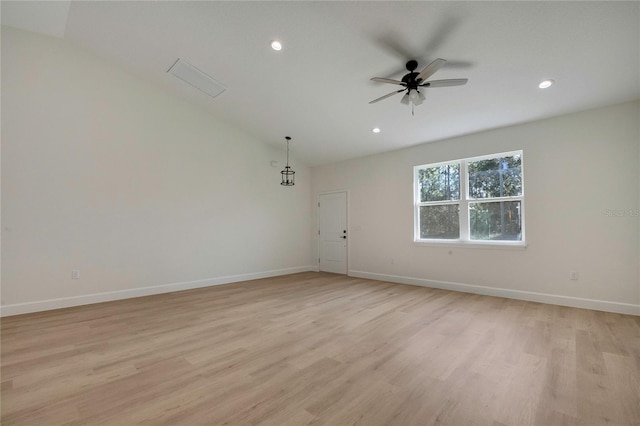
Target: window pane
{"points": [[496, 221], [442, 222], [441, 183], [495, 177]]}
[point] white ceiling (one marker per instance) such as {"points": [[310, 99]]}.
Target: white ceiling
{"points": [[317, 88]]}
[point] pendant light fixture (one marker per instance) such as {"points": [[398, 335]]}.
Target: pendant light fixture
{"points": [[288, 175]]}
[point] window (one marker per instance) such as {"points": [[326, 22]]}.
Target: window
{"points": [[475, 200]]}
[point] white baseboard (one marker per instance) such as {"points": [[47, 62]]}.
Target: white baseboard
{"points": [[67, 302], [553, 299]]}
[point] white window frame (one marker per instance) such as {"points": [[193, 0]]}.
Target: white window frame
{"points": [[463, 206]]}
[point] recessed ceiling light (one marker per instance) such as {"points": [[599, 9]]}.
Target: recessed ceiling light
{"points": [[545, 83], [276, 45], [375, 130]]}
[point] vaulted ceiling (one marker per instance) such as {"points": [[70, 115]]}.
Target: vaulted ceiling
{"points": [[317, 88]]}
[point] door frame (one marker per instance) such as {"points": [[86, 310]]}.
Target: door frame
{"points": [[317, 231]]}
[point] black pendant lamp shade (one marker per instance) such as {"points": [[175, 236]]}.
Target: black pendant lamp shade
{"points": [[288, 175]]}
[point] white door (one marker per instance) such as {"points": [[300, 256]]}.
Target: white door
{"points": [[332, 219]]}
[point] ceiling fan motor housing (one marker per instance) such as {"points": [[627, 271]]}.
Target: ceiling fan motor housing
{"points": [[410, 80]]}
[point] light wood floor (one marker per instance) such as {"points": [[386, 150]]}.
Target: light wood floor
{"points": [[323, 349]]}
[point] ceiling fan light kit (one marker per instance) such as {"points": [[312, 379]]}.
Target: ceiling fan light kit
{"points": [[416, 97], [413, 81]]}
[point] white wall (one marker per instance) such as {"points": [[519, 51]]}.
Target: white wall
{"points": [[576, 168], [144, 192], [141, 191]]}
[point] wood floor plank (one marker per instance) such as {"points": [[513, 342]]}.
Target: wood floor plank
{"points": [[320, 349]]}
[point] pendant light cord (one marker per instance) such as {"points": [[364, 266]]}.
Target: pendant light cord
{"points": [[288, 138]]}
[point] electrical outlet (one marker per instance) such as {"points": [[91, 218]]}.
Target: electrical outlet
{"points": [[573, 275], [75, 274]]}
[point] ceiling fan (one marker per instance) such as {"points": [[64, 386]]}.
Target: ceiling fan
{"points": [[413, 81]]}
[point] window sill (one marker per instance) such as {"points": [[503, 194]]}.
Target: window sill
{"points": [[503, 245]]}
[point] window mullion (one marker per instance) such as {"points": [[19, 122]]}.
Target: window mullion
{"points": [[416, 205], [496, 199], [464, 202], [437, 203]]}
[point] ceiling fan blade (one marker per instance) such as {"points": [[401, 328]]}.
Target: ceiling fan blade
{"points": [[388, 80], [445, 83], [386, 96], [430, 69], [394, 43]]}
